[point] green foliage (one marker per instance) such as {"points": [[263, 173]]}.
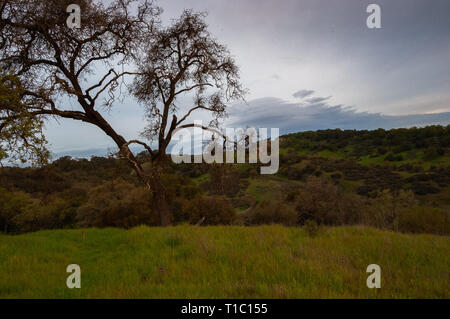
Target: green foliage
{"points": [[433, 140], [103, 192], [117, 204], [433, 152], [21, 134], [19, 212], [12, 205], [57, 213]]}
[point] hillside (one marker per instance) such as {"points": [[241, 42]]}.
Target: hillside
{"points": [[427, 146], [397, 180], [224, 262]]}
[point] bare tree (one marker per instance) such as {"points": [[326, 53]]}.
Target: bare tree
{"points": [[183, 59], [54, 63]]}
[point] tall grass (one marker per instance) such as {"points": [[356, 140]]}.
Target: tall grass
{"points": [[224, 262]]}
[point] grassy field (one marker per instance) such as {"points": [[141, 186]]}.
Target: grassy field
{"points": [[224, 262]]}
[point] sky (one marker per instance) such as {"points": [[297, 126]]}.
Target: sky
{"points": [[312, 64]]}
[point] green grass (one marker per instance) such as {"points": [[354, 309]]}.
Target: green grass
{"points": [[261, 189], [201, 178], [412, 157], [224, 262], [367, 160], [330, 154]]}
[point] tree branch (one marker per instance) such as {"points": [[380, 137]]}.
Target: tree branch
{"points": [[191, 110], [205, 128], [140, 143], [193, 87]]}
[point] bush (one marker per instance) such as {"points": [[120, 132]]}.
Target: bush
{"points": [[243, 202], [117, 204], [57, 213], [423, 188], [224, 180], [272, 212], [393, 158], [384, 210], [425, 220], [381, 150], [12, 205], [432, 153], [292, 195], [311, 227], [214, 210], [336, 177], [321, 201]]}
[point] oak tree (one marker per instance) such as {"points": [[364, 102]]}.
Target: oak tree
{"points": [[183, 60], [44, 64]]}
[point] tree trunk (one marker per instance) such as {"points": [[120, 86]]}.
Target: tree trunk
{"points": [[160, 200], [160, 203], [157, 188]]}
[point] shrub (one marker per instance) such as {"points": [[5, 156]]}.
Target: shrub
{"points": [[224, 180], [421, 219], [432, 153], [393, 158], [381, 150], [322, 201], [311, 227], [12, 205], [245, 201], [292, 195], [272, 212], [384, 210], [423, 188], [117, 204], [57, 213], [214, 210]]}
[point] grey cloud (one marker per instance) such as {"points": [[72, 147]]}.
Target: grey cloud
{"points": [[407, 56], [303, 93], [293, 117], [315, 100]]}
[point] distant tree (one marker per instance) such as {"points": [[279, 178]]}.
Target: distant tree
{"points": [[209, 211], [385, 209], [270, 211], [116, 204], [46, 61], [12, 204]]}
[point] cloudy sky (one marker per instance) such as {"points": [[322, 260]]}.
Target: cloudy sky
{"points": [[314, 64]]}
